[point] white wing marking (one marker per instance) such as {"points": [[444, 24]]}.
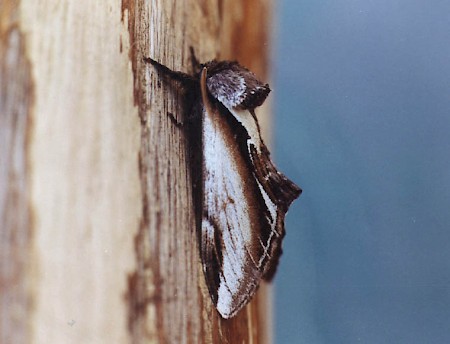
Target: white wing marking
{"points": [[224, 196], [248, 122], [273, 213]]}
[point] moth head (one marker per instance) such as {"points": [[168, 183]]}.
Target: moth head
{"points": [[235, 86]]}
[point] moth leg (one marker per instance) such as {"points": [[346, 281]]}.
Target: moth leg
{"points": [[191, 112], [191, 116], [175, 121]]}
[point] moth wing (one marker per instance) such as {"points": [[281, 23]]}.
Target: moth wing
{"points": [[230, 245], [277, 191], [245, 200]]}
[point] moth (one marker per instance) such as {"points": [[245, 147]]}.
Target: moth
{"points": [[242, 198]]}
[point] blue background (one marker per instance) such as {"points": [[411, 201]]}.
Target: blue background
{"points": [[362, 117]]}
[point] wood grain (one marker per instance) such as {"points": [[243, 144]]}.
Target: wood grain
{"points": [[95, 180]]}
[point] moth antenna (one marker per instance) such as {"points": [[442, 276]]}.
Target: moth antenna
{"points": [[196, 65], [204, 90], [174, 75]]}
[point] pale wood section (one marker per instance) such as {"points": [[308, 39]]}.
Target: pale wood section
{"points": [[83, 170], [104, 207]]}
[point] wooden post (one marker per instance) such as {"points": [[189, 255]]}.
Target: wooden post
{"points": [[97, 223]]}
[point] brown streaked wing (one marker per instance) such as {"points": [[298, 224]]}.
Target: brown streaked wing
{"points": [[275, 188], [282, 192], [245, 200], [231, 221]]}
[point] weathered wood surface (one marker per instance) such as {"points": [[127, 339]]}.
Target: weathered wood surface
{"points": [[98, 243]]}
